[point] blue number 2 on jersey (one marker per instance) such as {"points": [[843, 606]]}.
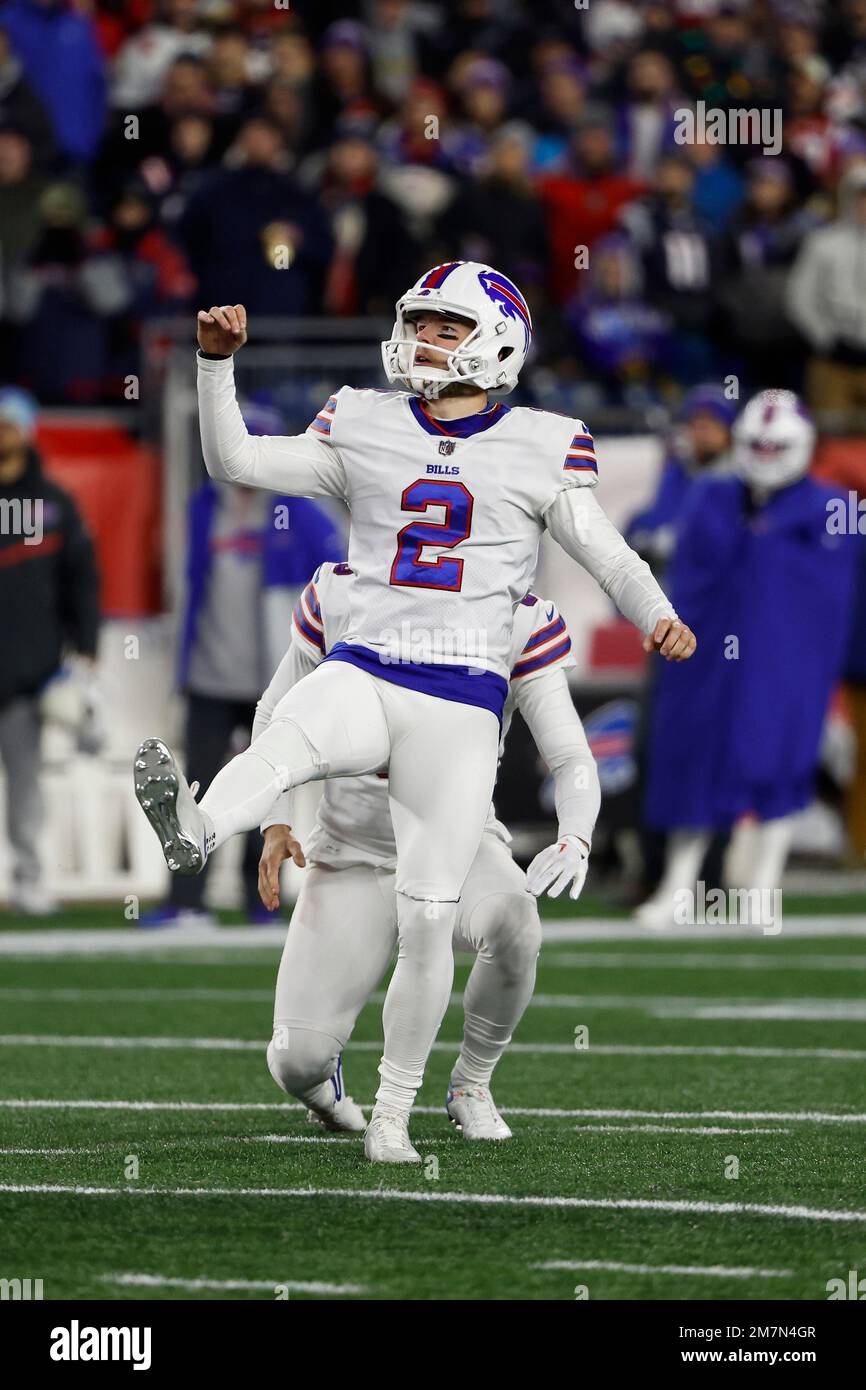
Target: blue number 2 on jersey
{"points": [[441, 573]]}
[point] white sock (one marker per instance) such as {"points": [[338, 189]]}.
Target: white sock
{"points": [[243, 792], [500, 984], [492, 1007], [417, 998], [685, 854], [771, 846]]}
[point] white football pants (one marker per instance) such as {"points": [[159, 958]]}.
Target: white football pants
{"points": [[441, 759], [340, 939]]}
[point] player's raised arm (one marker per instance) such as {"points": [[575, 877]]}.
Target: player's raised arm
{"points": [[576, 521], [302, 465]]}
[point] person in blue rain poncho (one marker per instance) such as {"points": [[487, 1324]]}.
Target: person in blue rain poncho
{"points": [[764, 576]]}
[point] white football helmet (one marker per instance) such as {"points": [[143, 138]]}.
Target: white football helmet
{"points": [[774, 439], [494, 352]]}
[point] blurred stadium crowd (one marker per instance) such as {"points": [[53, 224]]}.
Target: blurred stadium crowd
{"points": [[155, 153], [311, 160]]}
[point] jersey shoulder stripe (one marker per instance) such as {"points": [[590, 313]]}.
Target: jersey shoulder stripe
{"points": [[309, 634], [325, 418], [307, 618], [548, 641], [580, 455], [322, 611], [545, 634], [545, 658], [561, 445], [346, 408]]}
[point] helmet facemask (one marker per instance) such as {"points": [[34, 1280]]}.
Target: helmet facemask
{"points": [[468, 363]]}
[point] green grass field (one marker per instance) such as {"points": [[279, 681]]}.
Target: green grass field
{"points": [[199, 1182]]}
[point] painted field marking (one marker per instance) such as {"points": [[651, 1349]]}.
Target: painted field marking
{"points": [[782, 1011], [538, 1112], [298, 1139], [655, 1006], [675, 1129], [163, 1281], [710, 1271], [156, 1042], [167, 943], [48, 1152], [497, 1199], [644, 960]]}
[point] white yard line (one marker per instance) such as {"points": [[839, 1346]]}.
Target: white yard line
{"points": [[124, 941], [142, 1043], [134, 1044], [495, 1199], [823, 1054], [162, 1281], [662, 960], [675, 1129], [696, 1006], [655, 1006], [298, 1139], [153, 995], [263, 1106], [131, 940], [793, 929], [782, 1011], [48, 1152], [711, 1271]]}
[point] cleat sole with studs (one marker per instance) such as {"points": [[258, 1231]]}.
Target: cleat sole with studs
{"points": [[156, 789]]}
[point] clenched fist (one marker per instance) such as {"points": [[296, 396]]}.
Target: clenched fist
{"points": [[222, 329], [671, 639]]}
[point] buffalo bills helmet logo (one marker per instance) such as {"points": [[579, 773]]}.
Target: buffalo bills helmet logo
{"points": [[446, 446], [508, 297]]}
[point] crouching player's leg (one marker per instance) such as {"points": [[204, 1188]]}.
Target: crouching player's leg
{"points": [[442, 768], [497, 918], [340, 938]]}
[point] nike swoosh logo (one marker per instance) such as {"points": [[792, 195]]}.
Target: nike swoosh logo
{"points": [[550, 612]]}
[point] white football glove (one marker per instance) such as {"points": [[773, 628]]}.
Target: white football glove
{"points": [[556, 867], [71, 700], [91, 731]]}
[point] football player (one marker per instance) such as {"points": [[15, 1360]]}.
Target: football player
{"points": [[450, 492], [344, 925]]}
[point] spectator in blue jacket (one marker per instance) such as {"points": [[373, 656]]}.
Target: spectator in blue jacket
{"points": [[700, 446], [60, 53]]}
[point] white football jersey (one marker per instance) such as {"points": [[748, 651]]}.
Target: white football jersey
{"points": [[446, 521], [354, 820]]}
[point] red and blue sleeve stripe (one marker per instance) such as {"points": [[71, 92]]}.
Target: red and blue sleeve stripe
{"points": [[307, 618], [322, 422], [537, 663], [581, 455], [545, 634]]}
